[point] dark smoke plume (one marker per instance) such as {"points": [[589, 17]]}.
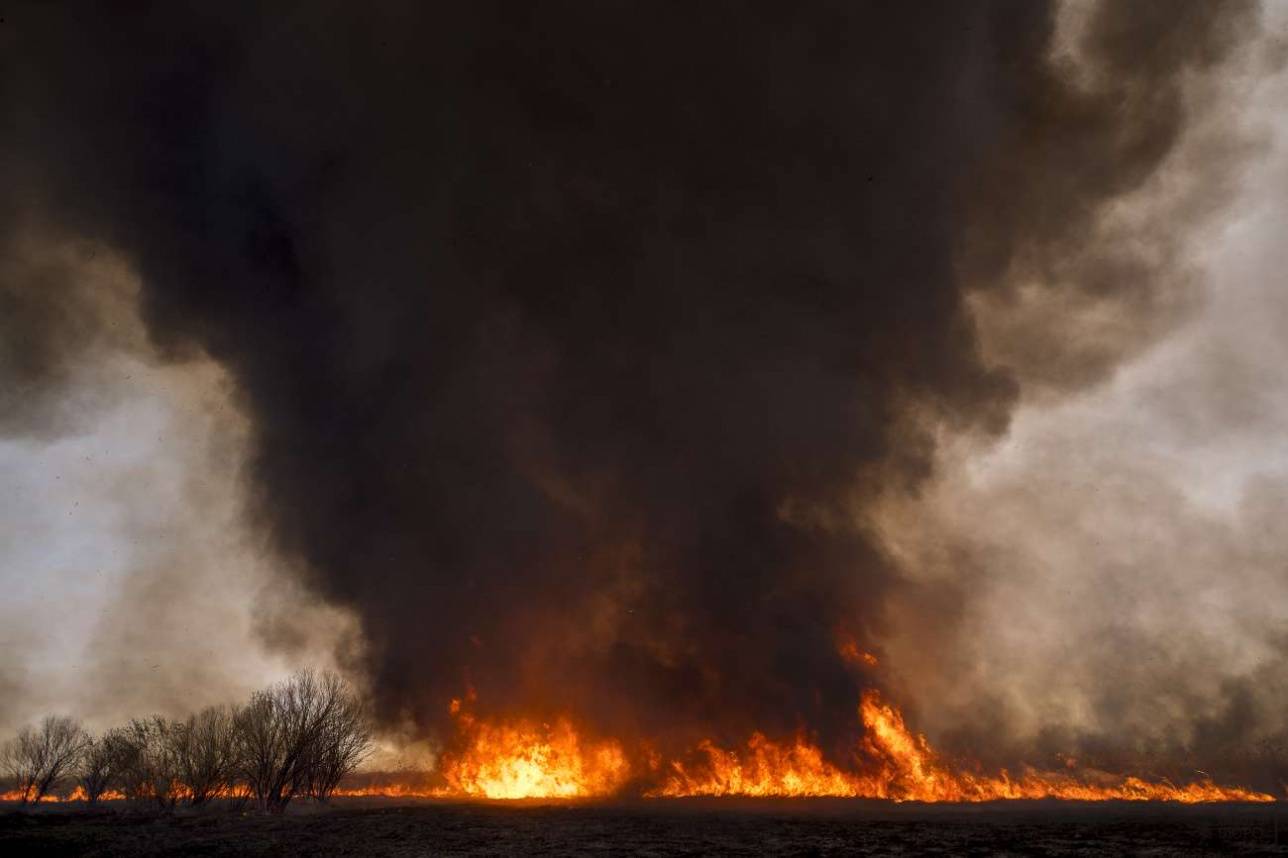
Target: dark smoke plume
{"points": [[574, 336]]}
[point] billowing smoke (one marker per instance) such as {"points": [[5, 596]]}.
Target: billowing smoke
{"points": [[126, 571], [1108, 580], [575, 338]]}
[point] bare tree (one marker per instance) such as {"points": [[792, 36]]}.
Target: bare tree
{"points": [[38, 758], [343, 742], [262, 748], [123, 747], [281, 731], [206, 751], [145, 755], [97, 768], [298, 737]]}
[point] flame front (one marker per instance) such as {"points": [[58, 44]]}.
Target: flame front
{"points": [[765, 768], [524, 760], [518, 759], [900, 765]]}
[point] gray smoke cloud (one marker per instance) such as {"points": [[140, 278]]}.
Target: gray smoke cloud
{"points": [[131, 582], [1108, 580]]}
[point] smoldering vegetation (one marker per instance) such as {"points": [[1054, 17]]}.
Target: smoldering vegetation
{"points": [[297, 738], [576, 340]]}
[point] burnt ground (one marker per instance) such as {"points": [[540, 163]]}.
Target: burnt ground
{"points": [[825, 827]]}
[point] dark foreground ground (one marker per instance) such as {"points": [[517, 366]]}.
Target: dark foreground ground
{"points": [[367, 827]]}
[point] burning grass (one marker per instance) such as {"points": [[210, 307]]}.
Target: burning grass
{"points": [[523, 759]]}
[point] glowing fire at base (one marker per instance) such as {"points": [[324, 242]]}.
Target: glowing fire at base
{"points": [[522, 760], [901, 766], [76, 794]]}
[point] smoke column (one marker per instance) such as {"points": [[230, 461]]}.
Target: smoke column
{"points": [[575, 339]]}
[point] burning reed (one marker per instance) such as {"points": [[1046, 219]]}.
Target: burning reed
{"points": [[306, 737]]}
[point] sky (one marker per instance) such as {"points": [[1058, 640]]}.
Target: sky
{"points": [[616, 409]]}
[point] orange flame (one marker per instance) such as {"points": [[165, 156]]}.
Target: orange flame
{"points": [[848, 647], [765, 768], [902, 766], [522, 759], [525, 760], [77, 794]]}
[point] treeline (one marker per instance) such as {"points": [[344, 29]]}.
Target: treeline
{"points": [[299, 737]]}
